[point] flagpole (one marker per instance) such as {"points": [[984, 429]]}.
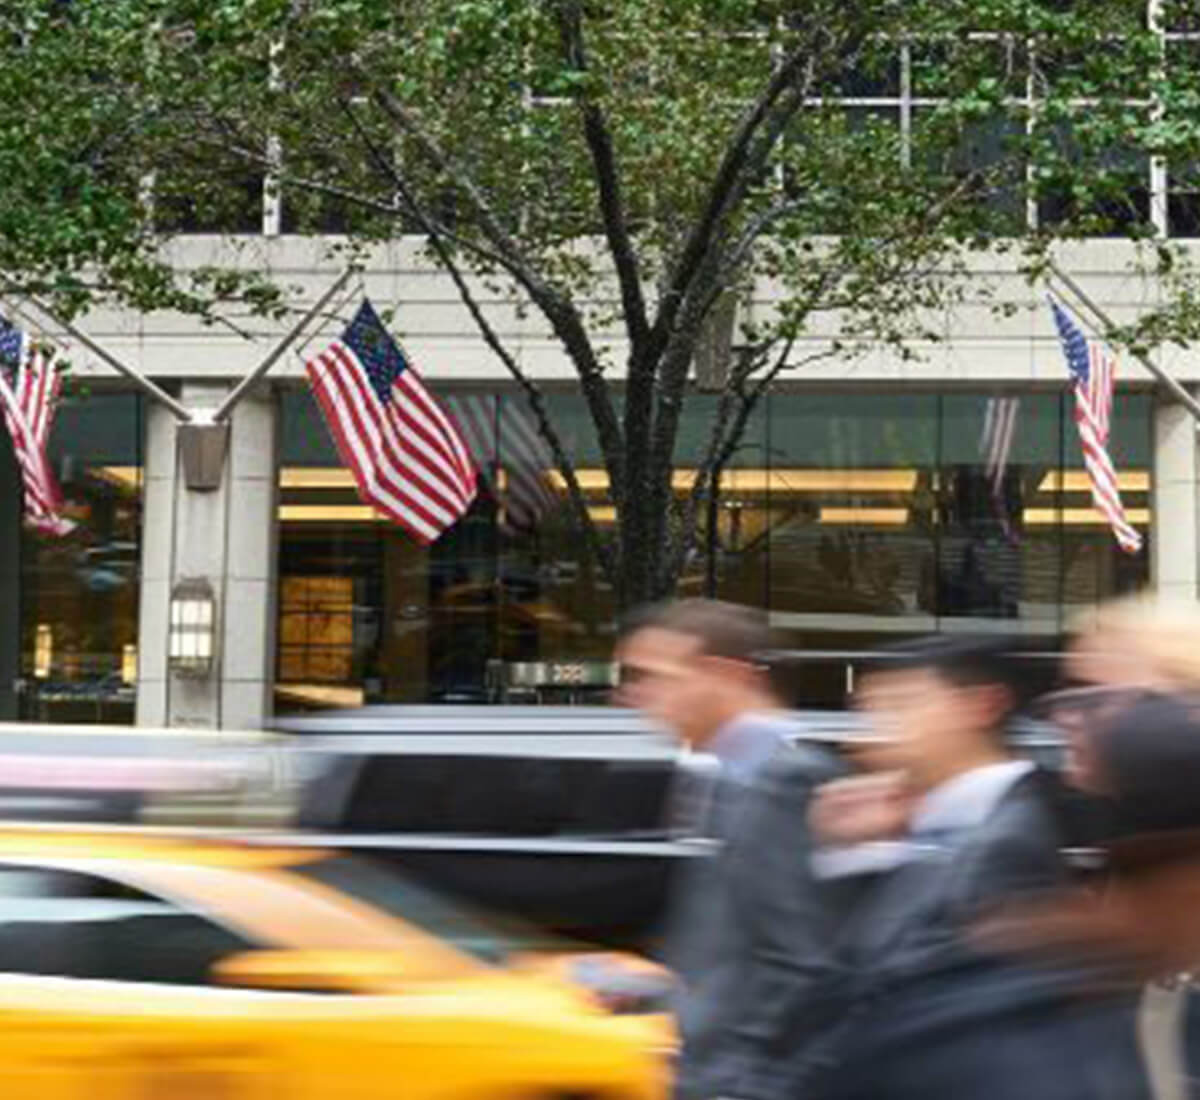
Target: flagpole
{"points": [[1178, 391], [139, 379], [272, 358]]}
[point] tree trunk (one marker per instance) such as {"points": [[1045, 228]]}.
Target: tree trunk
{"points": [[644, 547]]}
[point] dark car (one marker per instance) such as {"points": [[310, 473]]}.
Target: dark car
{"points": [[553, 814]]}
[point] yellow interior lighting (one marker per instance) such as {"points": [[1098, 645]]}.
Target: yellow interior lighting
{"points": [[758, 480], [1076, 481], [123, 477], [328, 513], [329, 695], [1079, 517], [864, 517], [315, 477]]}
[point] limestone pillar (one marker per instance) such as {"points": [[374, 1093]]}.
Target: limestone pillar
{"points": [[1175, 515], [226, 537]]}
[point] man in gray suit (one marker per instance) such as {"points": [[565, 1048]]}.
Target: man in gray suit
{"points": [[750, 928]]}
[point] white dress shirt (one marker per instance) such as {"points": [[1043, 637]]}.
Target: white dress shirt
{"points": [[962, 803]]}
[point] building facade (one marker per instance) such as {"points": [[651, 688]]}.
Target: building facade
{"points": [[858, 510]]}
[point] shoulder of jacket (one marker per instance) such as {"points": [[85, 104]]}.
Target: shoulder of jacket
{"points": [[801, 765]]}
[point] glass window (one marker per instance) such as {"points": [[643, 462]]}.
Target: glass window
{"points": [[998, 558], [489, 795], [79, 593], [1119, 200], [855, 517], [1094, 567], [75, 925], [945, 66], [487, 939], [991, 149], [234, 207]]}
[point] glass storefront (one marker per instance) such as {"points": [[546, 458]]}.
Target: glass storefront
{"points": [[854, 517], [77, 596]]}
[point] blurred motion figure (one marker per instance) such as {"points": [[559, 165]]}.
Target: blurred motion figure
{"points": [[750, 928], [971, 829]]}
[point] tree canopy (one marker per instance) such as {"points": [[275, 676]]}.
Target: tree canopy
{"points": [[634, 164]]}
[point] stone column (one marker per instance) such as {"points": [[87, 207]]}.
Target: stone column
{"points": [[250, 620], [226, 537], [1175, 514]]}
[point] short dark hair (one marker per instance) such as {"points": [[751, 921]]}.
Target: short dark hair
{"points": [[722, 629], [962, 660]]}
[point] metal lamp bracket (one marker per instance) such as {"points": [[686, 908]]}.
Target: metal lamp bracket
{"points": [[203, 444]]}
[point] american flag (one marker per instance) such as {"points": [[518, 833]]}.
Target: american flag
{"points": [[995, 444], [28, 401], [408, 460], [1093, 370], [503, 439]]}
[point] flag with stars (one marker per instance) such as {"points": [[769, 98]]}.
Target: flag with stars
{"points": [[29, 388], [1093, 373], [407, 458]]}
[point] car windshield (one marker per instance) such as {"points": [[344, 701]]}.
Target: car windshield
{"points": [[490, 939]]}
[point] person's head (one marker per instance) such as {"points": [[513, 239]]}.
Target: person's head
{"points": [[937, 706], [1142, 641], [1147, 760], [695, 664], [1127, 648]]}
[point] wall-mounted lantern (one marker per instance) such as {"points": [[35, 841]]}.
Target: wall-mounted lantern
{"points": [[193, 628]]}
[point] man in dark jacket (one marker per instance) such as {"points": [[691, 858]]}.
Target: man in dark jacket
{"points": [[750, 928], [934, 1014]]}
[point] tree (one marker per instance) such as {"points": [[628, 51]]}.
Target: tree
{"points": [[632, 163]]}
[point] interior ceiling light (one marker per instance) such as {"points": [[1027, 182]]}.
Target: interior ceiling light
{"points": [[1076, 481], [1079, 517], [864, 517], [759, 480]]}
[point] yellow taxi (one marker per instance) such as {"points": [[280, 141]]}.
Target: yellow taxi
{"points": [[137, 965]]}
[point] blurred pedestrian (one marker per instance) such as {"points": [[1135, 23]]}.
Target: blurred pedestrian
{"points": [[1126, 649], [1142, 641], [971, 828], [750, 929], [1138, 754]]}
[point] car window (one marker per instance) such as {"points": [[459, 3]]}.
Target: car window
{"points": [[488, 939], [75, 925], [495, 796]]}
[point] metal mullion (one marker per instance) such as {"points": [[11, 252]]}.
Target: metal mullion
{"points": [[272, 197], [1031, 206], [1158, 164]]}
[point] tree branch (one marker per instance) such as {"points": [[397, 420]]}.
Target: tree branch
{"points": [[698, 277], [730, 179], [532, 391], [557, 307], [537, 405], [608, 183]]}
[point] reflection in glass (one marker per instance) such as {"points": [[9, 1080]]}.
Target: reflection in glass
{"points": [[855, 517], [79, 594]]}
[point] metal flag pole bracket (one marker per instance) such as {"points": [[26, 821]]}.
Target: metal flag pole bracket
{"points": [[204, 440], [1107, 326], [150, 388], [273, 357], [203, 435]]}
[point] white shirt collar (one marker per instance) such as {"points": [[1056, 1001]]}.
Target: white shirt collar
{"points": [[969, 799]]}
